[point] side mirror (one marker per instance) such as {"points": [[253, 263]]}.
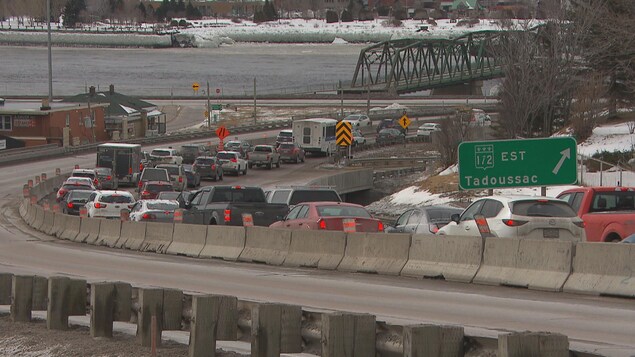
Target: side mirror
{"points": [[455, 217]]}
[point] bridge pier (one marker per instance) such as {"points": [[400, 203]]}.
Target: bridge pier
{"points": [[469, 88]]}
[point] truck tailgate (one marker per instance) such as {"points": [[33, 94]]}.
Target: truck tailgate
{"points": [[263, 214]]}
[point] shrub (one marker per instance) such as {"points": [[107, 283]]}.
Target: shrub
{"points": [[331, 17]]}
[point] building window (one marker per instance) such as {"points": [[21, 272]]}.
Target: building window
{"points": [[5, 123]]}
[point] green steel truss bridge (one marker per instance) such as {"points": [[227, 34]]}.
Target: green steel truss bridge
{"points": [[410, 65]]}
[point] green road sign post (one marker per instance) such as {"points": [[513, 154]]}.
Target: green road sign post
{"points": [[517, 163]]}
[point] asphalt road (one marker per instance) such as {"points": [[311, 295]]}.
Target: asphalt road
{"points": [[602, 324]]}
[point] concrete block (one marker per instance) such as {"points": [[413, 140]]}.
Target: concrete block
{"points": [[158, 237], [71, 228], [89, 230], [39, 217], [49, 221], [291, 329], [21, 298], [57, 312], [77, 297], [224, 242], [603, 269], [375, 253], [123, 302], [205, 312], [316, 249], [188, 239], [535, 264], [266, 245], [172, 309], [102, 309], [265, 330], [109, 233], [433, 341], [6, 281], [347, 334], [533, 344], [453, 258], [40, 293], [58, 224], [151, 304], [132, 235]]}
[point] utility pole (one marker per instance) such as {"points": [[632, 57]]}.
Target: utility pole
{"points": [[341, 100], [255, 112], [209, 109], [50, 57]]}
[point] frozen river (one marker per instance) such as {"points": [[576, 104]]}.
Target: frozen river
{"points": [[147, 72]]}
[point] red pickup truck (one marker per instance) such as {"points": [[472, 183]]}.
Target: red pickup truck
{"points": [[608, 212]]}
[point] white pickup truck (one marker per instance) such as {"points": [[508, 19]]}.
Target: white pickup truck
{"points": [[263, 155], [165, 156]]}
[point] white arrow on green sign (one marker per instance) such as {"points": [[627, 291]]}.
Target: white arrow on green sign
{"points": [[517, 163]]}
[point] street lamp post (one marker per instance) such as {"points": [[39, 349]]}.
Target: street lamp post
{"points": [[50, 60]]}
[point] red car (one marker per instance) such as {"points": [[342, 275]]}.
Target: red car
{"points": [[330, 216], [150, 189]]}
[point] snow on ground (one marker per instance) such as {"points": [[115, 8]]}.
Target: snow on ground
{"points": [[607, 138]]}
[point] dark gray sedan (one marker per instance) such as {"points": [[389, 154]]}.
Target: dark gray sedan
{"points": [[391, 136], [425, 220], [209, 167]]}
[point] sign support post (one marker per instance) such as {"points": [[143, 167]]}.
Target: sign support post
{"points": [[209, 110]]}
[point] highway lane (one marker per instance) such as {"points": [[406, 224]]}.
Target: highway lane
{"points": [[605, 324]]}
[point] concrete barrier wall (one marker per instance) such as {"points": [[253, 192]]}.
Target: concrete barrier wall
{"points": [[188, 239], [49, 221], [89, 230], [132, 235], [453, 258], [39, 217], [346, 182], [375, 253], [58, 224], [266, 245], [316, 249], [536, 264], [603, 269], [224, 242], [158, 237], [71, 228], [109, 233]]}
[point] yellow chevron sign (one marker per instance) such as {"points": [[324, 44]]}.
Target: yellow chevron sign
{"points": [[344, 136]]}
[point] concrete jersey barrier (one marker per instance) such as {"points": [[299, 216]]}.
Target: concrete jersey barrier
{"points": [[603, 269], [71, 228], [158, 237], [109, 233], [224, 242], [132, 235], [89, 230], [375, 253], [49, 222], [38, 218], [535, 264], [266, 245], [58, 224], [454, 258], [316, 249], [188, 239]]}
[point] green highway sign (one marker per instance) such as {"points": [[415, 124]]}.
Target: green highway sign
{"points": [[217, 107], [517, 163]]}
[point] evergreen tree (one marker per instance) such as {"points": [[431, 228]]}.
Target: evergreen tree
{"points": [[142, 10], [331, 17], [192, 13], [180, 6], [72, 11], [269, 11], [346, 16]]}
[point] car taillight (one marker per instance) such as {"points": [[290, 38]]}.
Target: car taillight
{"points": [[61, 192], [180, 178], [213, 166], [148, 216], [380, 226], [580, 224], [433, 228], [513, 222], [69, 205], [108, 178], [100, 205], [96, 182], [233, 159], [321, 224], [140, 184], [140, 168], [296, 150], [145, 193], [227, 217]]}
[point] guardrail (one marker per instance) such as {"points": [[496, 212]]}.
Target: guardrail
{"points": [[382, 162], [533, 264]]}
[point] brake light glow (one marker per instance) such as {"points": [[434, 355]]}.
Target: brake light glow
{"points": [[108, 178], [513, 222], [140, 184], [233, 159], [213, 166], [148, 216], [321, 224], [380, 226], [100, 205], [227, 216], [61, 192], [140, 168], [145, 193], [237, 187], [180, 179], [433, 228], [69, 205]]}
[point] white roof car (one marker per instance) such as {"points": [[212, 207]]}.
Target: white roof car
{"points": [[358, 120], [520, 217], [154, 211], [428, 128], [81, 181], [108, 204]]}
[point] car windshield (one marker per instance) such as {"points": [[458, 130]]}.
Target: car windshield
{"points": [[286, 146], [103, 171], [163, 206], [353, 117], [262, 149], [116, 199], [84, 174], [79, 195], [442, 214], [542, 208], [342, 211], [160, 153], [158, 188], [172, 170], [204, 161], [285, 133], [299, 196], [226, 155], [172, 195]]}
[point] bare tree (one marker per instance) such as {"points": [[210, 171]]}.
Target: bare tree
{"points": [[454, 130], [588, 105]]}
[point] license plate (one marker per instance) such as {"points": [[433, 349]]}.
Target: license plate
{"points": [[551, 233]]}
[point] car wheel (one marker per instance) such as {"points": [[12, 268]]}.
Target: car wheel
{"points": [[215, 178], [245, 171], [250, 166], [297, 159], [221, 176], [269, 165], [302, 159], [278, 164]]}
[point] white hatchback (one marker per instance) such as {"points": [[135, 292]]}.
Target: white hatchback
{"points": [[428, 128], [108, 204], [519, 217], [358, 120]]}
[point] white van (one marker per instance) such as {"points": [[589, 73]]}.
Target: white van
{"points": [[316, 136]]}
